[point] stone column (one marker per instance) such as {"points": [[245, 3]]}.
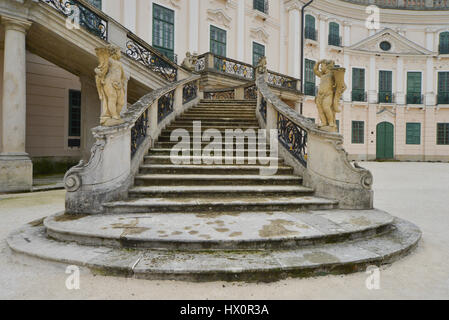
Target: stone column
{"points": [[400, 93], [282, 63], [130, 14], [347, 43], [372, 94], [16, 168], [294, 40], [323, 36], [371, 134], [194, 27], [90, 114], [241, 30]]}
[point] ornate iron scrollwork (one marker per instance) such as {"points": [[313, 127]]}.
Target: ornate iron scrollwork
{"points": [[281, 81], [200, 64], [139, 132], [233, 68], [165, 106], [151, 60], [81, 15], [263, 109], [189, 92], [293, 138], [220, 95], [251, 93]]}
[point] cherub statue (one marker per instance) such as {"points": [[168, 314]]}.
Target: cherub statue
{"points": [[111, 82], [261, 67], [331, 88], [189, 61]]}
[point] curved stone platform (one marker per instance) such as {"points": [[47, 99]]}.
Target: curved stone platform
{"points": [[235, 231], [297, 245]]}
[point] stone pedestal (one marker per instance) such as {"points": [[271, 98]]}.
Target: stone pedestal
{"points": [[16, 168]]}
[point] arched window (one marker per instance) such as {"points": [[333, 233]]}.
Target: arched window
{"points": [[334, 34], [310, 31], [444, 43]]}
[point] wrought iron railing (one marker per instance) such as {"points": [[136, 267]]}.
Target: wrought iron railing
{"points": [[200, 63], [225, 94], [359, 95], [250, 93], [189, 92], [385, 97], [281, 81], [293, 138], [263, 109], [405, 4], [139, 132], [138, 51], [83, 14], [310, 33], [165, 106], [415, 98], [233, 67], [443, 98]]}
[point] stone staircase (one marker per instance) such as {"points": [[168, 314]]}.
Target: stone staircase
{"points": [[219, 222]]}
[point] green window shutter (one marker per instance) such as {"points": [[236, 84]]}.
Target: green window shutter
{"points": [[74, 113], [164, 30], [358, 132], [310, 32], [309, 78], [385, 86], [260, 5], [444, 43], [218, 41], [338, 125], [443, 133], [334, 34], [443, 87], [414, 88], [258, 52], [358, 84], [413, 133]]}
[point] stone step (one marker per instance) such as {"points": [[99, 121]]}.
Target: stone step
{"points": [[206, 204], [166, 137], [211, 232], [217, 191], [205, 126], [167, 151], [203, 179], [169, 144], [182, 123], [227, 102], [224, 108], [167, 159], [210, 169], [228, 265], [219, 114]]}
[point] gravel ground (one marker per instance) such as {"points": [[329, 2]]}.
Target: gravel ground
{"points": [[418, 192]]}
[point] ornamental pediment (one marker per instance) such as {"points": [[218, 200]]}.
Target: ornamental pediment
{"points": [[389, 41]]}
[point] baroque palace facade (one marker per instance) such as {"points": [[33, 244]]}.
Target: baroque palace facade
{"points": [[396, 105]]}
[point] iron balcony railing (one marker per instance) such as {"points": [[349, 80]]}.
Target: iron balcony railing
{"points": [[334, 40], [310, 33], [386, 97], [443, 98], [415, 98], [359, 95]]}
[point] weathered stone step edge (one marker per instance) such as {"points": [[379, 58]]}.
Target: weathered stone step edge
{"points": [[209, 205], [61, 232], [255, 266]]}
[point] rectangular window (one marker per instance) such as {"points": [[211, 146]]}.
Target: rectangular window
{"points": [[261, 5], [444, 43], [358, 132], [164, 31], [74, 118], [309, 77], [338, 125], [414, 88], [310, 31], [218, 41], [385, 87], [358, 84], [443, 134], [334, 34], [258, 52], [443, 87], [413, 133]]}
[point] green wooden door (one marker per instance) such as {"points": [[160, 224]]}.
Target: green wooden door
{"points": [[385, 141]]}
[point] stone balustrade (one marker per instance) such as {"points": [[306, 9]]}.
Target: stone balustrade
{"points": [[315, 154], [119, 150]]}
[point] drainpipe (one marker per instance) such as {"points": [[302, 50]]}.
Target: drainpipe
{"points": [[302, 48]]}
